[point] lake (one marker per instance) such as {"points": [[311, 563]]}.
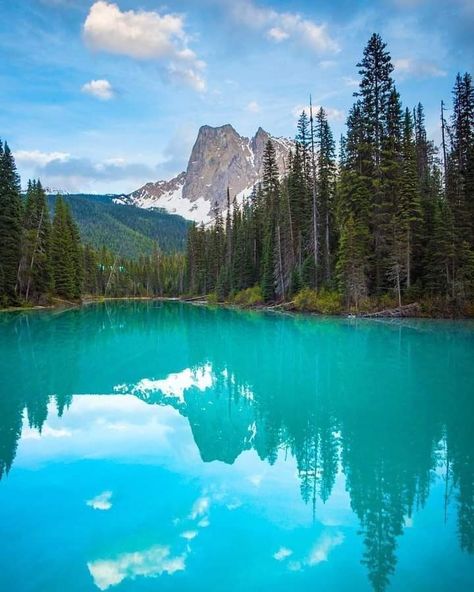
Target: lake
{"points": [[165, 446]]}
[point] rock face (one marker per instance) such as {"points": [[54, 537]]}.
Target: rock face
{"points": [[220, 159]]}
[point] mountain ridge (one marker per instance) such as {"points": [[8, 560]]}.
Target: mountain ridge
{"points": [[220, 159]]}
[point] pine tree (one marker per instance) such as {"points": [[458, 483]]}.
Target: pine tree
{"points": [[10, 226]]}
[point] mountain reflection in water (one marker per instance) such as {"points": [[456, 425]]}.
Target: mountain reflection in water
{"points": [[387, 407]]}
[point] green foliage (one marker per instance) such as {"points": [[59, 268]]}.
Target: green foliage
{"points": [[10, 225], [212, 298], [323, 302], [249, 297]]}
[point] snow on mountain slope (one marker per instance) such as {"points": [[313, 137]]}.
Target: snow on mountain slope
{"points": [[220, 159], [168, 196]]}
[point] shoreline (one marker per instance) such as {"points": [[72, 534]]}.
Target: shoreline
{"points": [[282, 308]]}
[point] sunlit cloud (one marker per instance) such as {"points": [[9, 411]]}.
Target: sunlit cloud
{"points": [[100, 89], [284, 26], [145, 35], [277, 34]]}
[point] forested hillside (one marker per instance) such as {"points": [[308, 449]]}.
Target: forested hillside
{"points": [[43, 259], [125, 230]]}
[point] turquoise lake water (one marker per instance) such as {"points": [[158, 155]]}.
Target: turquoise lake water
{"points": [[168, 447]]}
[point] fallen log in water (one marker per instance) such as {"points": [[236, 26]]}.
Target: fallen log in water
{"points": [[194, 298], [408, 310]]}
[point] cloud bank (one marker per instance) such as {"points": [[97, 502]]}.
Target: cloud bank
{"points": [[284, 26]]}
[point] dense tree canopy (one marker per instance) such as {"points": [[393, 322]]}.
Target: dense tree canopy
{"points": [[390, 221]]}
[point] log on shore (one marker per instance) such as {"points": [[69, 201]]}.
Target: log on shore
{"points": [[408, 310]]}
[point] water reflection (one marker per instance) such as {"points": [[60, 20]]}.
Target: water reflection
{"points": [[389, 406]]}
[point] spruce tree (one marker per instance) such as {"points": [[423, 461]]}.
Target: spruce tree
{"points": [[326, 182], [376, 95], [10, 226], [270, 188], [63, 252], [410, 201], [352, 262]]}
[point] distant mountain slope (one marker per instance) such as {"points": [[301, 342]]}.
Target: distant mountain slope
{"points": [[220, 159], [127, 230]]}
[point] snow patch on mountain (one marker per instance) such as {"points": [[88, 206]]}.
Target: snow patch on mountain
{"points": [[220, 160]]}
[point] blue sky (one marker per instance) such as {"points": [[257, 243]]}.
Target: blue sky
{"points": [[102, 96]]}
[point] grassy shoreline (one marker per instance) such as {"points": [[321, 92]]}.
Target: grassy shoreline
{"points": [[280, 307]]}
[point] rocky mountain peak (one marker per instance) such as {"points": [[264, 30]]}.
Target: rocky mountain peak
{"points": [[220, 159]]}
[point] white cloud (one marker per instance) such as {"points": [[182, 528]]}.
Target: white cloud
{"points": [[101, 89], [145, 35], [152, 562], [282, 553], [191, 76], [284, 26], [277, 34], [253, 107], [38, 158], [101, 501], [332, 113], [417, 68]]}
